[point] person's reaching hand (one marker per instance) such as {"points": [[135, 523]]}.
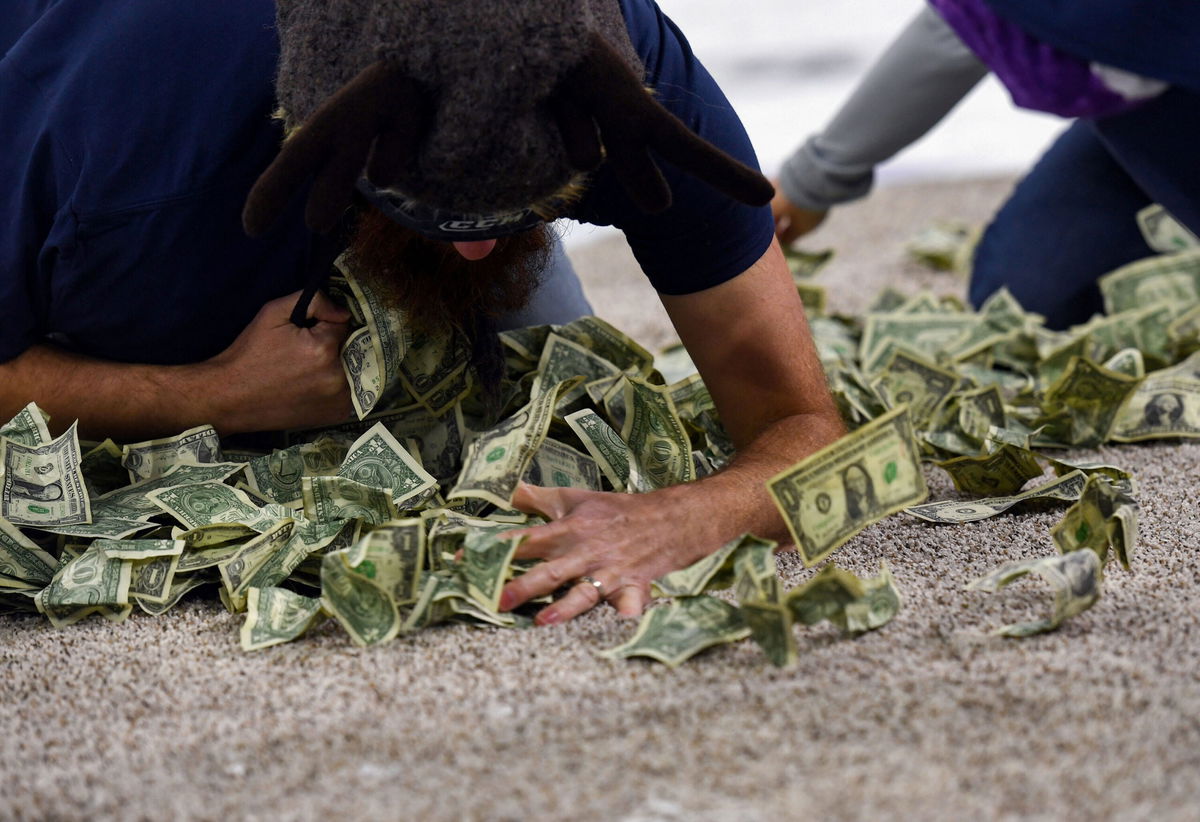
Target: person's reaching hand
{"points": [[791, 221]]}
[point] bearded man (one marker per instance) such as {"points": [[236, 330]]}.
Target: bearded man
{"points": [[155, 277]]}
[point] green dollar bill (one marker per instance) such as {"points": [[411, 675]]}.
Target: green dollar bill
{"points": [[609, 451], [806, 264], [276, 476], [1163, 232], [28, 427], [657, 440], [825, 596], [911, 380], [392, 556], [497, 458], [337, 499], [754, 572], [674, 632], [713, 572], [1103, 518], [770, 625], [833, 494], [1184, 332], [83, 584], [363, 370], [1168, 277], [563, 359], [1082, 406], [557, 465], [981, 410], [487, 555], [150, 579], [1165, 405], [608, 343], [180, 586], [387, 324], [196, 446], [1068, 488], [879, 604], [21, 558], [101, 529], [206, 503], [264, 561], [275, 616], [945, 246], [922, 334], [43, 484], [526, 343], [135, 549], [999, 473], [435, 371], [133, 502], [363, 608], [1075, 578], [378, 460]]}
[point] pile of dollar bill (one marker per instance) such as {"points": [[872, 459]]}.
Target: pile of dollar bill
{"points": [[388, 524], [397, 521]]}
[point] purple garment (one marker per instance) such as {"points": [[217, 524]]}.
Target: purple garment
{"points": [[1037, 75]]}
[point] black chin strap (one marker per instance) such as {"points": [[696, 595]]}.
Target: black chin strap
{"points": [[322, 253]]}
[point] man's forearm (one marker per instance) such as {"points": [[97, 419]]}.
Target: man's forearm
{"points": [[119, 400], [735, 500]]}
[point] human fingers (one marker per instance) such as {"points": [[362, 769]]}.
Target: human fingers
{"points": [[543, 541], [583, 596], [543, 579], [278, 312], [630, 600], [551, 503], [779, 203], [330, 334], [323, 309], [787, 231]]}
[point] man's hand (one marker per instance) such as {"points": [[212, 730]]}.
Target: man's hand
{"points": [[277, 375], [750, 340], [791, 221], [623, 541], [273, 376]]}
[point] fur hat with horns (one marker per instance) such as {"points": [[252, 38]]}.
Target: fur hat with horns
{"points": [[463, 107]]}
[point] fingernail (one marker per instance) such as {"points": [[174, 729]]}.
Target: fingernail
{"points": [[506, 601], [549, 619]]}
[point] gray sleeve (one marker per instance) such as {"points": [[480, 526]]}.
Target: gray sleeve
{"points": [[911, 87]]}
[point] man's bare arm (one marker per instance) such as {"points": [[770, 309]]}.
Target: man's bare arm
{"points": [[274, 375], [750, 340]]}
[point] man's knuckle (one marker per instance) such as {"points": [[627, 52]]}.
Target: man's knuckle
{"points": [[555, 574]]}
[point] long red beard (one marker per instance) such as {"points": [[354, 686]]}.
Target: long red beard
{"points": [[435, 285]]}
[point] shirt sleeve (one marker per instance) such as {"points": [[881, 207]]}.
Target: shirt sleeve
{"points": [[915, 83], [705, 238]]}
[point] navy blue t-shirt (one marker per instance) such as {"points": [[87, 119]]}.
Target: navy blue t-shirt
{"points": [[132, 130]]}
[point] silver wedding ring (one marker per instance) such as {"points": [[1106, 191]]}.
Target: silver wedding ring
{"points": [[595, 583]]}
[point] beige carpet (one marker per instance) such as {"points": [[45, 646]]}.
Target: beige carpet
{"points": [[165, 718]]}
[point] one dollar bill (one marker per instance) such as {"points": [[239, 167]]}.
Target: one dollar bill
{"points": [[830, 496]]}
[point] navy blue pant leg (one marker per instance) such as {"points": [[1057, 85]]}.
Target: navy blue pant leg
{"points": [[1072, 219]]}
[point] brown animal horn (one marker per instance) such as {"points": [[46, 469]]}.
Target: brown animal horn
{"points": [[379, 108], [632, 122]]}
